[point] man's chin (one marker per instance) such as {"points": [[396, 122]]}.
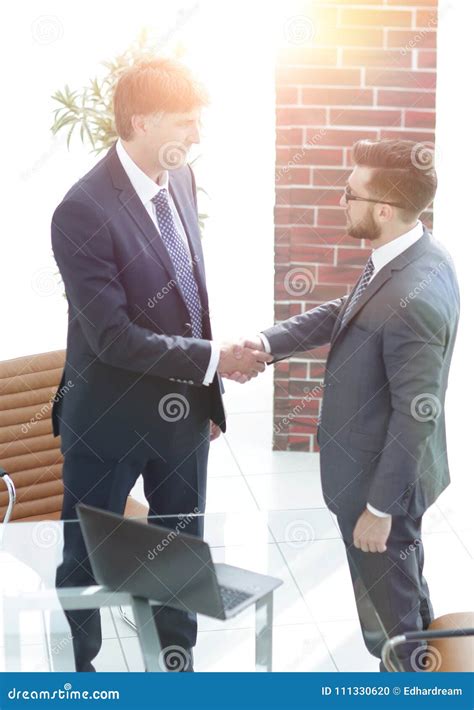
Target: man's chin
{"points": [[354, 233]]}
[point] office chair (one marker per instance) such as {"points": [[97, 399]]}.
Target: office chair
{"points": [[450, 644]]}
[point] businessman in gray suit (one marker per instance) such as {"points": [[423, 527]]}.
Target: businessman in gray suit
{"points": [[382, 428]]}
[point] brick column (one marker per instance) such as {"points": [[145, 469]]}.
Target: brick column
{"points": [[348, 72]]}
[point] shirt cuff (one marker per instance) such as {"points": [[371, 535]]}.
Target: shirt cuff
{"points": [[213, 363], [376, 512], [265, 342]]}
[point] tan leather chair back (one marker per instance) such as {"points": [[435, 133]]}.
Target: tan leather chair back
{"points": [[452, 654], [29, 452]]}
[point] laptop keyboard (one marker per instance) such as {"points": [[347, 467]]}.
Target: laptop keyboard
{"points": [[232, 597]]}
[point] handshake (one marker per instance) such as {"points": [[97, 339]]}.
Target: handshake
{"points": [[243, 360]]}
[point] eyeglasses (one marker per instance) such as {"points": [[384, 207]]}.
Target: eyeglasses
{"points": [[348, 195]]}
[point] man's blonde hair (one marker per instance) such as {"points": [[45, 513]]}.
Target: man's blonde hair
{"points": [[155, 85]]}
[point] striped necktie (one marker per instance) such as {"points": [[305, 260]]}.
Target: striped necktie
{"points": [[362, 285]]}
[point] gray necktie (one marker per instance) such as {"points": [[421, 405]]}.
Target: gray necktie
{"points": [[362, 285]]}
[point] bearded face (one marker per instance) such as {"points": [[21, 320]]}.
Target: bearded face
{"points": [[363, 227]]}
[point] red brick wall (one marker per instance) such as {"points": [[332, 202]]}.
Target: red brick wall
{"points": [[348, 71]]}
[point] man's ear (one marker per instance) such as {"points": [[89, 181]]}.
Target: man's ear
{"points": [[386, 213], [138, 124]]}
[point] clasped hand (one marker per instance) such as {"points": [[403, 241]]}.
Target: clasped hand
{"points": [[244, 360]]}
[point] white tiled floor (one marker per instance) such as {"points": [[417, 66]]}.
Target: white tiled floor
{"points": [[296, 647], [315, 619], [280, 491], [346, 646]]}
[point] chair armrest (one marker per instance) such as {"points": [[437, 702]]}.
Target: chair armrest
{"points": [[11, 494], [392, 643], [448, 633]]}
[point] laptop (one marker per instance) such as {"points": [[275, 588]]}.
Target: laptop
{"points": [[170, 567]]}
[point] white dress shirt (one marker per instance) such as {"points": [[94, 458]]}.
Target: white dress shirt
{"points": [[380, 257], [146, 189]]}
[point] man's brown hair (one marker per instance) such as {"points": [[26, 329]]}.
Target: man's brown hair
{"points": [[155, 85], [403, 172]]}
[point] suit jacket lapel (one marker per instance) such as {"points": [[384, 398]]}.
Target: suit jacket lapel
{"points": [[187, 215], [135, 208], [379, 279]]}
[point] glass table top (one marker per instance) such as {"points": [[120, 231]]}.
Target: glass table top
{"points": [[315, 620]]}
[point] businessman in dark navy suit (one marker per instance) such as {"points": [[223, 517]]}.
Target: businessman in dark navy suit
{"points": [[145, 395]]}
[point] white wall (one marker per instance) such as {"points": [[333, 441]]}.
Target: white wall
{"points": [[453, 211]]}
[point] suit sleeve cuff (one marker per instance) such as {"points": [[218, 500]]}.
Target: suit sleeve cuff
{"points": [[265, 342], [213, 363], [376, 512]]}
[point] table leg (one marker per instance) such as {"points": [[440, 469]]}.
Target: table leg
{"points": [[264, 633], [60, 642], [11, 636], [147, 634]]}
